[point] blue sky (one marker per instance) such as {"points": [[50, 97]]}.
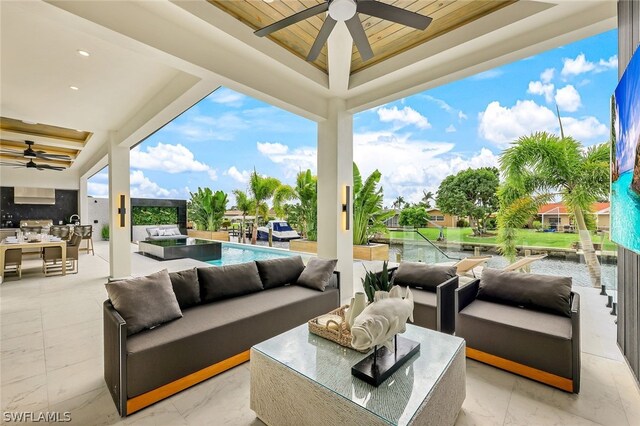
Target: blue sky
{"points": [[415, 142]]}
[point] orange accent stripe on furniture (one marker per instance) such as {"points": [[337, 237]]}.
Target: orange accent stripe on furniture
{"points": [[522, 370], [141, 401]]}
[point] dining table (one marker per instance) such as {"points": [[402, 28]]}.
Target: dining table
{"points": [[4, 246]]}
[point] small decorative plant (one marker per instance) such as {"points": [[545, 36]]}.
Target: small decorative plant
{"points": [[104, 232], [376, 281]]}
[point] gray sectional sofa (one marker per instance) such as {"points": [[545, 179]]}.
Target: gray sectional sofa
{"points": [[527, 324], [238, 306]]}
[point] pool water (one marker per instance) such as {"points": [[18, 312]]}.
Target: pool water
{"points": [[233, 253]]}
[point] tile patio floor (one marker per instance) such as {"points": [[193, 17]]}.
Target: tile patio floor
{"points": [[51, 359]]}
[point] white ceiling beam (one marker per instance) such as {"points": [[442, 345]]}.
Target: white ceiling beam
{"points": [[199, 48], [510, 34], [339, 48]]}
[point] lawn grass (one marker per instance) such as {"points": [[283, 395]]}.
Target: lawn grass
{"points": [[526, 237]]}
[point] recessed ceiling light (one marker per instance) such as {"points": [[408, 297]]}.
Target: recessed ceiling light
{"points": [[73, 88], [83, 53], [268, 1]]}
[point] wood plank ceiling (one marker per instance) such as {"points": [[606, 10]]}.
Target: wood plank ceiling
{"points": [[387, 38], [51, 139]]}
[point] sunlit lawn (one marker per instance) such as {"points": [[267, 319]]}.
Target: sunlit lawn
{"points": [[526, 237]]}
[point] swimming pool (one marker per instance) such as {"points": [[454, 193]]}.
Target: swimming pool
{"points": [[233, 253]]}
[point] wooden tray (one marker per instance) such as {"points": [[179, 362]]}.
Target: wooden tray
{"points": [[341, 337]]}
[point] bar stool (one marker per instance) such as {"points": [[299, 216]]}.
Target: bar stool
{"points": [[13, 259], [60, 231], [86, 232]]}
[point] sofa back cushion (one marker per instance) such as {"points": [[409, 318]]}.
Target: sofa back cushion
{"points": [[533, 291], [317, 273], [186, 287], [152, 232], [144, 302], [278, 272], [223, 282], [422, 275]]}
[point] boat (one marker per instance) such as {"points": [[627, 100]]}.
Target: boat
{"points": [[281, 231]]}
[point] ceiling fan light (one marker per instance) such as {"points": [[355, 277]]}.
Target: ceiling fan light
{"points": [[28, 154], [342, 10]]}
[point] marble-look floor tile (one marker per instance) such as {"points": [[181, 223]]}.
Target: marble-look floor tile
{"points": [[18, 329], [628, 389], [26, 395], [95, 408], [161, 413], [74, 380], [488, 393], [22, 345], [19, 316], [19, 367], [89, 330]]}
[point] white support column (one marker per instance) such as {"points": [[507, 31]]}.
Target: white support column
{"points": [[119, 237], [83, 202], [335, 172]]}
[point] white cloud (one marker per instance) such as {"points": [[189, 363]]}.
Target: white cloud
{"points": [[568, 99], [143, 187], [446, 107], [462, 116], [487, 75], [503, 125], [97, 189], [542, 89], [581, 65], [269, 148], [547, 75], [450, 129], [227, 97], [403, 117], [206, 128], [168, 158], [240, 176]]}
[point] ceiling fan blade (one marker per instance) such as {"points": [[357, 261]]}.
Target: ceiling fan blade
{"points": [[393, 14], [48, 167], [359, 37], [12, 164], [44, 155], [293, 19], [11, 152], [322, 37]]}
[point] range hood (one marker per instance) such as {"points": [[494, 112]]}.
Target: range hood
{"points": [[23, 195]]}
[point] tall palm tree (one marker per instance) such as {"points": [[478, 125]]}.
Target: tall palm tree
{"points": [[399, 202], [262, 189], [427, 197], [305, 191], [541, 166], [246, 205]]}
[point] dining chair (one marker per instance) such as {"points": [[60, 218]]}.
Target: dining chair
{"points": [[60, 231], [13, 262], [52, 257]]}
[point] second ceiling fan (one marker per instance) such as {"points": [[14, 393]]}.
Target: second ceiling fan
{"points": [[348, 11]]}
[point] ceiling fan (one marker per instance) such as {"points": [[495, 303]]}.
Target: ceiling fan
{"points": [[31, 165], [348, 11], [31, 154]]}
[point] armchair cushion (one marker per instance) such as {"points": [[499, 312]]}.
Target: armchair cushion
{"points": [[278, 272], [422, 275], [317, 273], [540, 292], [144, 302]]}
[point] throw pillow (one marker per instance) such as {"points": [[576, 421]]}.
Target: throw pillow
{"points": [[278, 272], [317, 273], [144, 302], [186, 287], [174, 231], [541, 292], [161, 232], [422, 275], [153, 232], [223, 282]]}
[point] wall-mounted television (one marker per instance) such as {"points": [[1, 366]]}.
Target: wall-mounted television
{"points": [[625, 161]]}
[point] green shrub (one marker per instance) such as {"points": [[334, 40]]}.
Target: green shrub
{"points": [[104, 232], [462, 223], [537, 225], [141, 215]]}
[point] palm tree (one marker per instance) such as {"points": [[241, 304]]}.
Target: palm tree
{"points": [[246, 205], [542, 166], [262, 189], [368, 212], [399, 202], [427, 197], [305, 191]]}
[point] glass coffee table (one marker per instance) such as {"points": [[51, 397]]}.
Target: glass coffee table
{"points": [[300, 378]]}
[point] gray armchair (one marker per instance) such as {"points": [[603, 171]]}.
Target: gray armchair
{"points": [[536, 340]]}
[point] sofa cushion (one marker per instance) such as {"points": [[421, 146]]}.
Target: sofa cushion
{"points": [[317, 273], [538, 339], [542, 292], [144, 302], [422, 275], [186, 287], [278, 272], [222, 282], [210, 333], [152, 232]]}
